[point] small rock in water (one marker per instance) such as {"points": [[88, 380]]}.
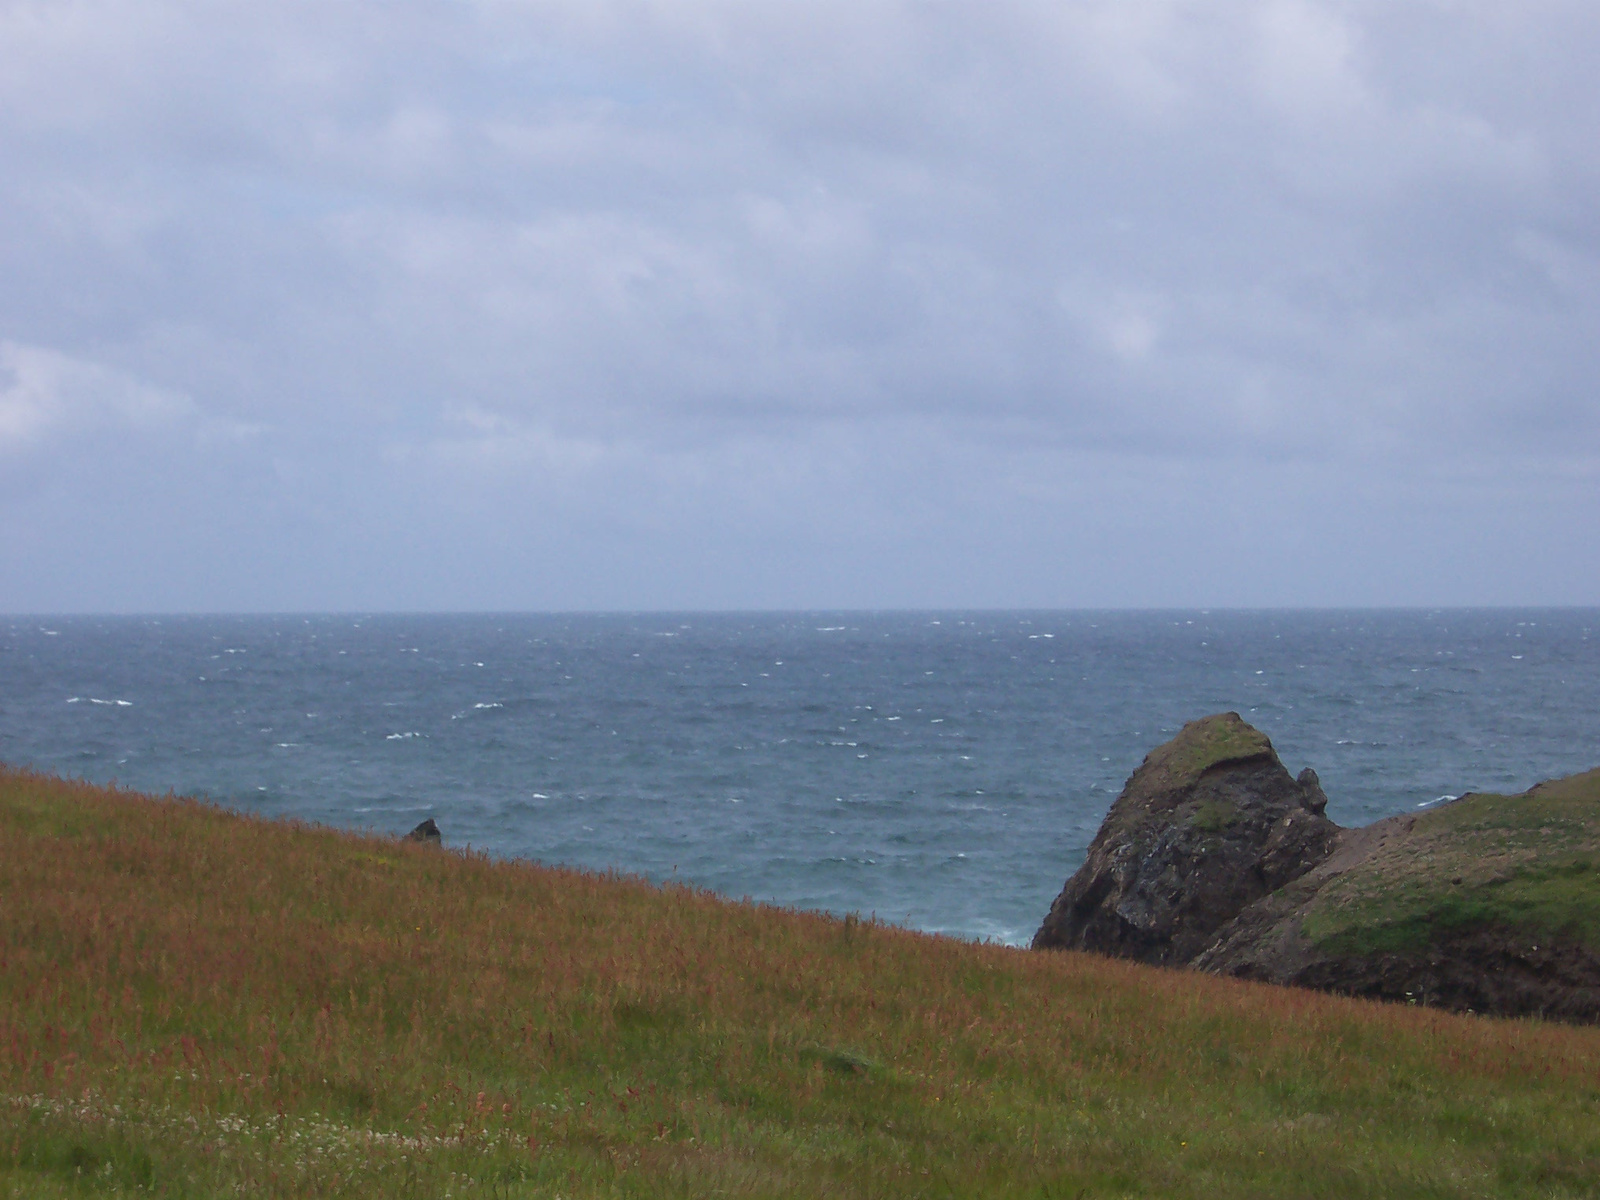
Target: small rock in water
{"points": [[426, 832]]}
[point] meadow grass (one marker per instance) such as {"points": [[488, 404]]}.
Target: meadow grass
{"points": [[194, 1003]]}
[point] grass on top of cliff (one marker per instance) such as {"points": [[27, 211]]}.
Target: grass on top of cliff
{"points": [[1197, 747], [1527, 864], [194, 1003]]}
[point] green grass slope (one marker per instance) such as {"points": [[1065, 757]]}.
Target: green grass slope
{"points": [[1528, 863], [197, 1004]]}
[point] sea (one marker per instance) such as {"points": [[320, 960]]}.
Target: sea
{"points": [[940, 770]]}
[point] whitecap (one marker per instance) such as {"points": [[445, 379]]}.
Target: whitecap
{"points": [[494, 705], [395, 737], [74, 699]]}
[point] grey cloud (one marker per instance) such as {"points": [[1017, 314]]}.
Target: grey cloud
{"points": [[1010, 276], [45, 394]]}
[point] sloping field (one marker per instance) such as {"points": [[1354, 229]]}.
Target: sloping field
{"points": [[196, 1004]]}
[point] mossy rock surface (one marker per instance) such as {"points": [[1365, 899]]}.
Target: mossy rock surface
{"points": [[1199, 746], [1214, 858], [1209, 823]]}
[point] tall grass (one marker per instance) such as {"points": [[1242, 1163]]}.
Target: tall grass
{"points": [[194, 1003]]}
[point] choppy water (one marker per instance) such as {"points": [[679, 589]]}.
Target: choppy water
{"points": [[942, 770]]}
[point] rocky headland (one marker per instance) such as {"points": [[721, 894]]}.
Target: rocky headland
{"points": [[1215, 858]]}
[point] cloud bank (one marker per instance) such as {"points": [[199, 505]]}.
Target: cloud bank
{"points": [[716, 304]]}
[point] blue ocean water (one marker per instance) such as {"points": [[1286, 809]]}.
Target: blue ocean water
{"points": [[941, 770]]}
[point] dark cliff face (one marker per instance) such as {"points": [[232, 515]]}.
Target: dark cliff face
{"points": [[1209, 824], [1215, 859]]}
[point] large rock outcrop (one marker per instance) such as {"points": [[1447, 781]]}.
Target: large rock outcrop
{"points": [[1488, 904], [1214, 858], [1210, 823]]}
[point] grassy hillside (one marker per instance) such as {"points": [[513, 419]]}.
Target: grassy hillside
{"points": [[197, 1004], [1528, 863]]}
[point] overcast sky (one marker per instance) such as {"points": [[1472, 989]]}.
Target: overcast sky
{"points": [[717, 304]]}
